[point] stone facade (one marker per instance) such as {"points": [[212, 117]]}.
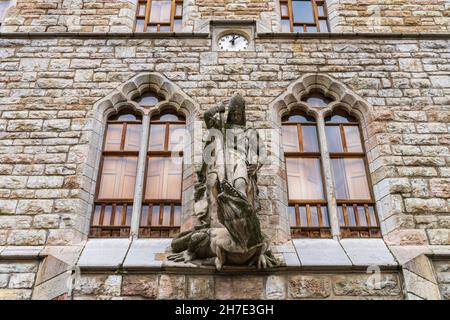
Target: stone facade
{"points": [[55, 89]]}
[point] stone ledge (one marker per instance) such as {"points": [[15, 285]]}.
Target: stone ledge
{"points": [[21, 252]]}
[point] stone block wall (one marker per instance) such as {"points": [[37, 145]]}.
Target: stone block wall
{"points": [[49, 87], [442, 268], [262, 286], [399, 16], [17, 279], [71, 16]]}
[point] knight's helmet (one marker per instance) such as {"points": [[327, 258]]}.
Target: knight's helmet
{"points": [[236, 110]]}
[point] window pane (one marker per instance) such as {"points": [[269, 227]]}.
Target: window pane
{"points": [[129, 214], [321, 11], [362, 216], [292, 217], [118, 178], [169, 117], [152, 28], [373, 218], [166, 216], [177, 25], [164, 28], [311, 29], [155, 215], [290, 139], [107, 216], [126, 117], [4, 5], [303, 11], [310, 141], [118, 216], [157, 137], [323, 25], [334, 140], [133, 137], [177, 136], [317, 100], [160, 11], [304, 179], [303, 218], [142, 9], [179, 10], [284, 10], [140, 23], [147, 100], [325, 220], [177, 216], [285, 25], [351, 216], [113, 137], [353, 139], [350, 179], [163, 178], [299, 29], [314, 217], [96, 217]]}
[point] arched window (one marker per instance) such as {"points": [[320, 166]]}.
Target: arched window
{"points": [[161, 211], [140, 176], [115, 189], [354, 197], [307, 202]]}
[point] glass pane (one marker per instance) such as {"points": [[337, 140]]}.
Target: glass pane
{"points": [[310, 141], [314, 217], [113, 137], [311, 29], [142, 9], [350, 179], [341, 118], [317, 100], [155, 215], [290, 138], [166, 216], [118, 178], [285, 25], [323, 25], [303, 219], [373, 218], [177, 25], [164, 28], [107, 216], [325, 219], [177, 136], [157, 137], [303, 11], [140, 25], [163, 178], [160, 11], [362, 216], [169, 117], [126, 117], [147, 100], [304, 179], [96, 217], [299, 29], [284, 10], [292, 218], [118, 216], [351, 216], [353, 139], [341, 216], [321, 11], [152, 28], [4, 5], [177, 216], [179, 10], [334, 140], [133, 137], [144, 216]]}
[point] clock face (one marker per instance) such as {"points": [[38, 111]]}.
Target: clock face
{"points": [[233, 42]]}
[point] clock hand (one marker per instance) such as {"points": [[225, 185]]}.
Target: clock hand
{"points": [[233, 39]]}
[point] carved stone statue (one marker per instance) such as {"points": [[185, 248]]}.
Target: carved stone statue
{"points": [[226, 196]]}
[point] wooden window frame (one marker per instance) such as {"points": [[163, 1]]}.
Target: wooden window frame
{"points": [[111, 231], [299, 231], [315, 4], [357, 231], [149, 231], [146, 18]]}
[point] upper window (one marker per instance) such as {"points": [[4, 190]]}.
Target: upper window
{"points": [[304, 16], [307, 202], [4, 5], [159, 16]]}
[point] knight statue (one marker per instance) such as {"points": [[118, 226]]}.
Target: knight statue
{"points": [[226, 196]]}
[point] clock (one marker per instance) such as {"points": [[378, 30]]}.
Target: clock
{"points": [[233, 42]]}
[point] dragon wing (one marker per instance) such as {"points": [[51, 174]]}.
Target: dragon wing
{"points": [[239, 217]]}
